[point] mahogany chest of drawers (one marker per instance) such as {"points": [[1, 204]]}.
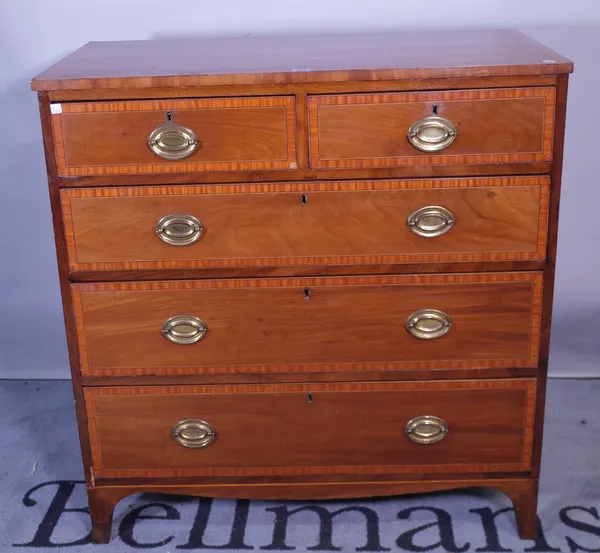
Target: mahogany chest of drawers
{"points": [[307, 267]]}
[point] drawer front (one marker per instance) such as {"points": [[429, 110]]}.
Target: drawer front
{"points": [[309, 324], [471, 126], [168, 136], [261, 225], [300, 429]]}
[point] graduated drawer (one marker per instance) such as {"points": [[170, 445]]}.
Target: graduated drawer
{"points": [[299, 429], [509, 125], [306, 223], [173, 136], [309, 324]]}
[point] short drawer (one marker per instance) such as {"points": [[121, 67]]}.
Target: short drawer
{"points": [[309, 324], [431, 128], [300, 429], [168, 136], [484, 219]]}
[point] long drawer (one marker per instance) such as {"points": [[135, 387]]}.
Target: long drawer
{"points": [[174, 136], [367, 428], [482, 219], [510, 125], [309, 324]]}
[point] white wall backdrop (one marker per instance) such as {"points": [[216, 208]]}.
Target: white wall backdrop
{"points": [[36, 33]]}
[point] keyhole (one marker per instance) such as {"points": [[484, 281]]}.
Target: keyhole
{"points": [[303, 199], [310, 398], [307, 293], [169, 117], [435, 109]]}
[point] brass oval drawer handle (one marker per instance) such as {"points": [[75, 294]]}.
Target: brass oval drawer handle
{"points": [[432, 134], [430, 221], [426, 430], [172, 142], [194, 433], [184, 329], [179, 229], [428, 324]]}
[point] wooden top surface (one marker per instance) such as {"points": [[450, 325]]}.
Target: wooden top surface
{"points": [[301, 59]]}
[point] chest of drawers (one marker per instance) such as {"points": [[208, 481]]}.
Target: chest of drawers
{"points": [[307, 267]]}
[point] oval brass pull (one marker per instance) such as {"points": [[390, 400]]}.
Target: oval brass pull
{"points": [[172, 142], [194, 433], [428, 324], [426, 430], [430, 221], [179, 229], [432, 134], [184, 329]]}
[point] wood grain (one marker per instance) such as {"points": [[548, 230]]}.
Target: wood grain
{"points": [[493, 126], [65, 288], [307, 270], [340, 223], [550, 269], [301, 59], [349, 323], [306, 174], [304, 479], [266, 349], [295, 377], [522, 491], [108, 138], [300, 89], [346, 428]]}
